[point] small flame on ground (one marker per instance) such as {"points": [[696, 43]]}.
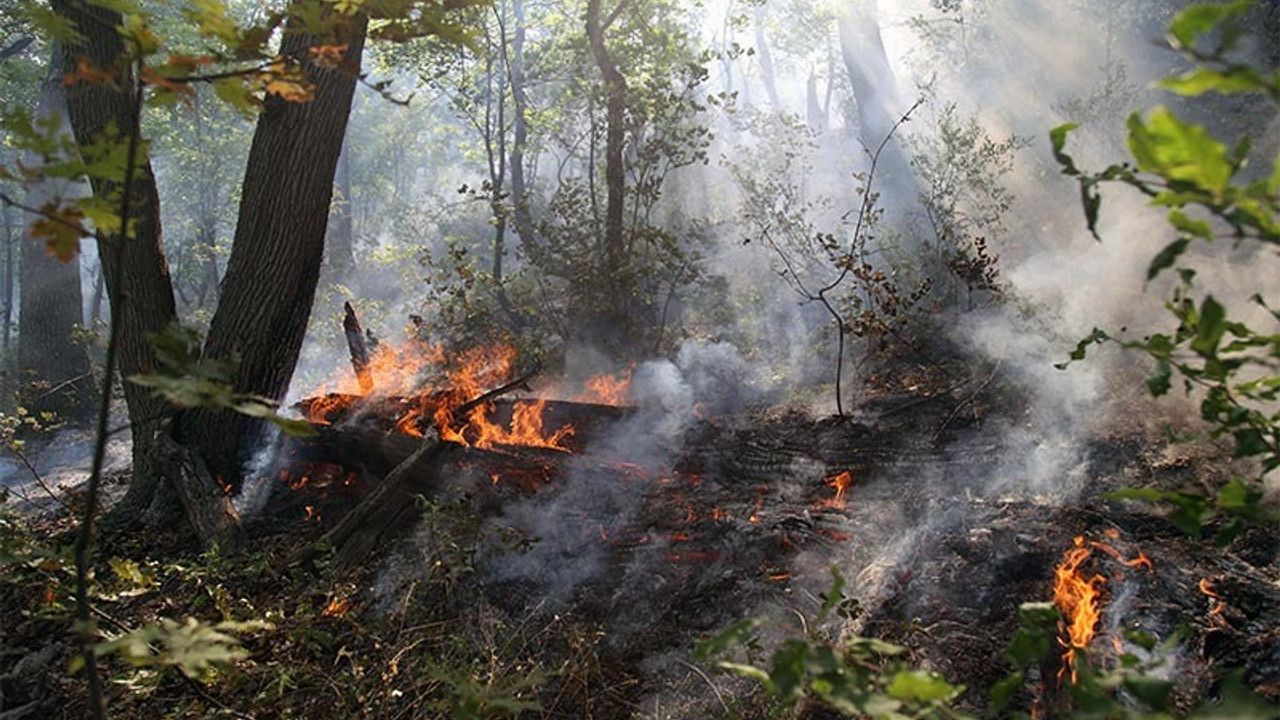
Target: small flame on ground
{"points": [[841, 484], [1078, 598], [1219, 605], [311, 514], [337, 607]]}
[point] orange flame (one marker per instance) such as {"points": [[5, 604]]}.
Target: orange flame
{"points": [[337, 607], [436, 389], [606, 389], [1078, 598], [1219, 605], [841, 484]]}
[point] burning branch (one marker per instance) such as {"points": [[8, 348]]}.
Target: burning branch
{"points": [[359, 352]]}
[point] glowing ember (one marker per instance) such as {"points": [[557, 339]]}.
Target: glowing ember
{"points": [[1077, 597], [841, 484], [311, 514]]}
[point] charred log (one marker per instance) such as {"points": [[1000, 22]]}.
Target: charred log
{"points": [[356, 346]]}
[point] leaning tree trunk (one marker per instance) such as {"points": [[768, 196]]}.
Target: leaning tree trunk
{"points": [[875, 89], [271, 276], [138, 284], [52, 302]]}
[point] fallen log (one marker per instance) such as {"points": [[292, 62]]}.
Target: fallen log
{"points": [[381, 511]]}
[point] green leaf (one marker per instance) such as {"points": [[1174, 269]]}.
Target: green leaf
{"points": [[786, 672], [1166, 146], [1210, 328], [1201, 18], [1002, 692], [1150, 690], [1202, 80], [737, 634], [834, 594], [1058, 138], [1240, 498], [747, 671], [1097, 337], [921, 687], [1167, 257], [1159, 381], [1238, 703]]}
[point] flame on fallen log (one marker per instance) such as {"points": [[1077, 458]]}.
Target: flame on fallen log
{"points": [[437, 388], [1078, 596]]}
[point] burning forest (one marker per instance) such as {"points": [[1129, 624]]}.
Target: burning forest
{"points": [[640, 359]]}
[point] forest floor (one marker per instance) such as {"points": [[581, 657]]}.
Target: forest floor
{"points": [[585, 597]]}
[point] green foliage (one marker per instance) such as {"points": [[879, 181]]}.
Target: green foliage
{"points": [[186, 379], [1210, 190], [855, 676], [196, 648], [867, 678]]}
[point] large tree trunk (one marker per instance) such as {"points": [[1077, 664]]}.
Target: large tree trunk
{"points": [[52, 301], [138, 284], [876, 90], [271, 276]]}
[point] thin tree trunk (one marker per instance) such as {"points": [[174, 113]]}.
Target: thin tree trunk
{"points": [[52, 302], [95, 301], [766, 60], [271, 276], [615, 89], [341, 240], [520, 135], [9, 275]]}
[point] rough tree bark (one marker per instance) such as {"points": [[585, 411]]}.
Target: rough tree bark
{"points": [[271, 276], [52, 300], [140, 282]]}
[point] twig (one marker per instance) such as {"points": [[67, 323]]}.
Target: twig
{"points": [[961, 405], [698, 671], [35, 475], [63, 384], [520, 383]]}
